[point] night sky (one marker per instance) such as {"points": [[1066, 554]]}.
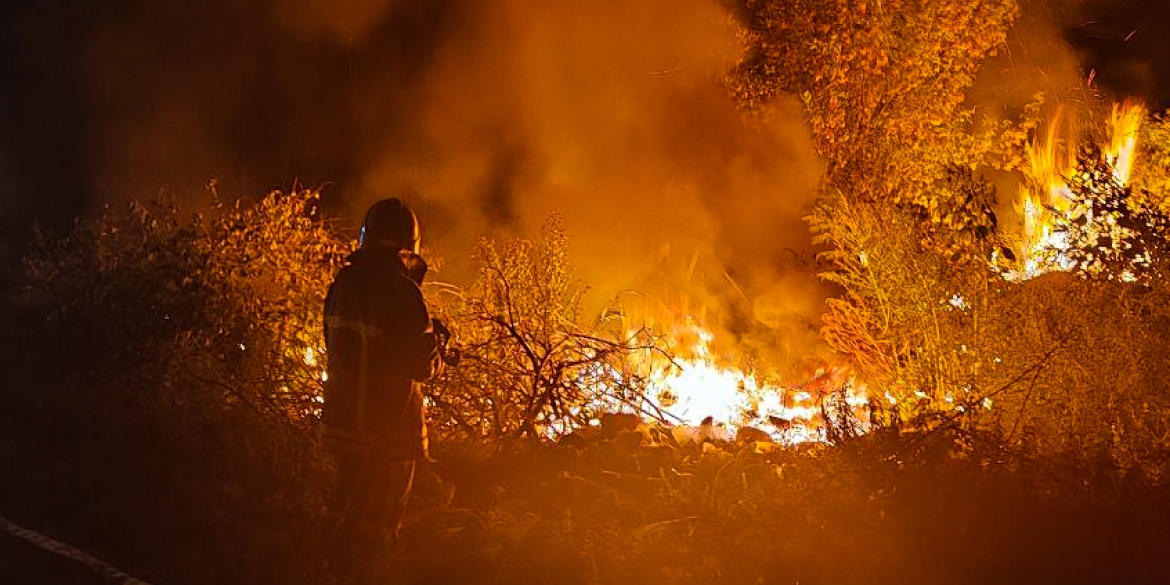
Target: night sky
{"points": [[100, 98], [104, 100]]}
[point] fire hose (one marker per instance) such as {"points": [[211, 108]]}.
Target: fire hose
{"points": [[62, 549]]}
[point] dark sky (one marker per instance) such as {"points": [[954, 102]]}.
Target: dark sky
{"points": [[97, 96], [104, 100], [1125, 43]]}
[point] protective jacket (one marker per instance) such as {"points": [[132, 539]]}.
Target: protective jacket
{"points": [[379, 346]]}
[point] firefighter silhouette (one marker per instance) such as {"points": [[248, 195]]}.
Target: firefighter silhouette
{"points": [[380, 346]]}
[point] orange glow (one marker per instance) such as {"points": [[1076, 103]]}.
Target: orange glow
{"points": [[1045, 193], [1124, 123], [696, 386]]}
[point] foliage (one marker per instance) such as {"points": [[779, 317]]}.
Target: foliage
{"points": [[532, 365], [1105, 232], [164, 374], [882, 83], [1067, 365], [1064, 364], [232, 300], [628, 509], [1100, 392], [910, 316], [909, 232], [185, 482], [1151, 174], [907, 221]]}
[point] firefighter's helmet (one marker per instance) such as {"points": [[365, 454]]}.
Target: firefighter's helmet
{"points": [[390, 222]]}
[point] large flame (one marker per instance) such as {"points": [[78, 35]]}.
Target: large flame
{"points": [[714, 400], [1046, 193], [1124, 123], [697, 387]]}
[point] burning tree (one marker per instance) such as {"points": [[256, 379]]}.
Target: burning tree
{"points": [[908, 223], [882, 84], [906, 219]]}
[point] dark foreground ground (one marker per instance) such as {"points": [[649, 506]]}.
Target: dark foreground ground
{"points": [[25, 564], [908, 509], [176, 487]]}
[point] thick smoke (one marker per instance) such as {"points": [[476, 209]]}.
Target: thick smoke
{"points": [[1078, 52], [1037, 59], [346, 22], [611, 114], [492, 115], [1125, 45]]}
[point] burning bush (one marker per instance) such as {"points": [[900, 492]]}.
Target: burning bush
{"points": [[883, 84], [1064, 364], [1091, 297], [1106, 232], [533, 365]]}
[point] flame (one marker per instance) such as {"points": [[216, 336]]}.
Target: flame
{"points": [[1050, 161], [1124, 123], [697, 387]]}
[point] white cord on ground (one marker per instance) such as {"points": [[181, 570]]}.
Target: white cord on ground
{"points": [[70, 552]]}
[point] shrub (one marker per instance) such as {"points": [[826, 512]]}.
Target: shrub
{"points": [[533, 365], [1067, 363], [170, 375]]}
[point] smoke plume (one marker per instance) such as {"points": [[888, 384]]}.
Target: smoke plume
{"points": [[612, 114], [492, 114], [489, 115]]}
